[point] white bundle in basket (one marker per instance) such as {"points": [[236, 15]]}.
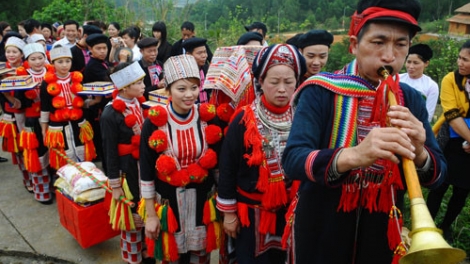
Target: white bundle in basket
{"points": [[75, 184]]}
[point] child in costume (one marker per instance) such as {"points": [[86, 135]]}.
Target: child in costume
{"points": [[121, 124], [13, 118], [65, 130], [35, 154]]}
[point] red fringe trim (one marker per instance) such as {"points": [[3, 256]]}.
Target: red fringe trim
{"points": [[30, 143], [10, 137], [242, 209], [267, 222]]}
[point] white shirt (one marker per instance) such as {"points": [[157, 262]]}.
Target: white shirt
{"points": [[136, 55], [427, 87], [64, 42]]}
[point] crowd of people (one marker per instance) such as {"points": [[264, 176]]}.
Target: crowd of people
{"points": [[306, 170]]}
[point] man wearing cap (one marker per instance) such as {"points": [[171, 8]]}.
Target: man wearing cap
{"points": [[418, 59], [260, 28], [153, 69], [314, 46], [80, 52], [347, 143], [96, 70], [251, 39], [196, 47]]}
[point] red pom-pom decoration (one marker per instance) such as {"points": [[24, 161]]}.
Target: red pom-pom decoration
{"points": [[141, 99], [213, 134], [26, 64], [197, 173], [158, 115], [115, 93], [209, 160], [58, 102], [50, 68], [77, 102], [225, 112], [50, 77], [165, 165], [135, 140], [119, 105], [21, 70], [31, 94], [53, 89], [158, 141], [207, 111], [130, 120], [180, 178], [76, 87], [145, 113], [77, 77], [76, 114], [65, 112]]}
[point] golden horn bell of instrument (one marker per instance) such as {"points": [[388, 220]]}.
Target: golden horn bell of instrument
{"points": [[427, 244]]}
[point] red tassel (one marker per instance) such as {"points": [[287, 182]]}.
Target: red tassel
{"points": [[289, 222], [275, 195], [171, 221], [369, 197], [267, 222], [243, 214], [150, 246], [206, 216], [395, 223], [211, 238], [399, 252], [263, 178], [172, 248]]}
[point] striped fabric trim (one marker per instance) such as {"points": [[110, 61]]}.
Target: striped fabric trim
{"points": [[226, 205], [309, 164], [344, 132]]}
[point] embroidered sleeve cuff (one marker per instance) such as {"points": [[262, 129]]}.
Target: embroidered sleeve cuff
{"points": [[427, 164], [333, 173], [115, 183], [44, 117], [226, 205], [452, 114], [147, 189], [309, 164]]}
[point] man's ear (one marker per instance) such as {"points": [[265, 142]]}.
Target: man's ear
{"points": [[353, 44]]}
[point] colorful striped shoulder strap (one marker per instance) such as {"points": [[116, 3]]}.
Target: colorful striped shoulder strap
{"points": [[348, 89]]}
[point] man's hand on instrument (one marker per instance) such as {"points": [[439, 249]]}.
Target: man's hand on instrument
{"points": [[402, 118]]}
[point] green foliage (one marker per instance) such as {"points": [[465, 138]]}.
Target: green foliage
{"points": [[81, 10], [339, 56]]}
